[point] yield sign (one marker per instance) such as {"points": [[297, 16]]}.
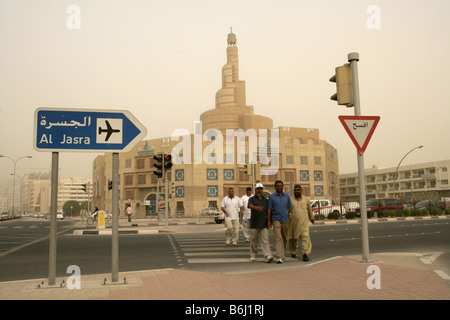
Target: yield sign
{"points": [[360, 129]]}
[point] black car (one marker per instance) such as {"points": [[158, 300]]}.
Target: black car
{"points": [[428, 204]]}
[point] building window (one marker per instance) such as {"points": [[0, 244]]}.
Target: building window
{"points": [[289, 176], [211, 174], [179, 175], [228, 174], [211, 191], [128, 163], [140, 163], [318, 175], [141, 179], [128, 179], [129, 194], [304, 175], [243, 176], [303, 160], [179, 192], [229, 158], [317, 160], [289, 159], [180, 207], [318, 191]]}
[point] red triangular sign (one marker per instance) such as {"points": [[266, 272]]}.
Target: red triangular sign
{"points": [[360, 129]]}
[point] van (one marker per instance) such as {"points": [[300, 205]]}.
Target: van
{"points": [[376, 207]]}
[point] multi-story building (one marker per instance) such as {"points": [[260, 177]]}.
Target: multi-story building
{"points": [[37, 193], [212, 158], [414, 182]]}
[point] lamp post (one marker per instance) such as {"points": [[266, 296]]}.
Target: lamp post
{"points": [[396, 171], [14, 177]]}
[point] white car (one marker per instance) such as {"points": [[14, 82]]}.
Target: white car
{"points": [[60, 215]]}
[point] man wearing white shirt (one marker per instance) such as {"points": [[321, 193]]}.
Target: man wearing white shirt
{"points": [[232, 207], [247, 214]]}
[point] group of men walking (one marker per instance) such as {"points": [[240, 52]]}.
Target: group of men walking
{"points": [[288, 215]]}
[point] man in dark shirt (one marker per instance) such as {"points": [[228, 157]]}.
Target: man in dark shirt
{"points": [[258, 225]]}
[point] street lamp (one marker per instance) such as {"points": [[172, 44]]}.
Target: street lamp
{"points": [[14, 177], [396, 171]]}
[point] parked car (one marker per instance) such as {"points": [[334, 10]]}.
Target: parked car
{"points": [[4, 216], [209, 211], [327, 209], [376, 207], [60, 215], [428, 204], [219, 217]]}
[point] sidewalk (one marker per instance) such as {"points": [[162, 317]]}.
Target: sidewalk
{"points": [[401, 276]]}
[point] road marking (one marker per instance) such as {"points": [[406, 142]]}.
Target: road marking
{"points": [[442, 274]]}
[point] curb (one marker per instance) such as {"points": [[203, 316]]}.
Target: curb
{"points": [[109, 232], [344, 221]]}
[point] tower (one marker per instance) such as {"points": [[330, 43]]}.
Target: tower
{"points": [[231, 109]]}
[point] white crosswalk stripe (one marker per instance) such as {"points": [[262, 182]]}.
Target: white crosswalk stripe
{"points": [[211, 248]]}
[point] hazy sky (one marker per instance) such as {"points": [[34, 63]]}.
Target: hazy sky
{"points": [[162, 60]]}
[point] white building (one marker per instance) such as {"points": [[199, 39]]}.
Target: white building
{"points": [[414, 182]]}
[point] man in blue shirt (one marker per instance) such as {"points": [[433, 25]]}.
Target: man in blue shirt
{"points": [[278, 216]]}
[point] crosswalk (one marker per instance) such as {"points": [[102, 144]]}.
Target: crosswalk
{"points": [[211, 248]]}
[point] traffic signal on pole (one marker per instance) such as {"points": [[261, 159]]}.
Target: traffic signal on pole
{"points": [[109, 185], [344, 86], [159, 165], [248, 169], [167, 162], [84, 187]]}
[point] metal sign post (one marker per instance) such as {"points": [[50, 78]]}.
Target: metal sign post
{"points": [[53, 220], [115, 218], [85, 130], [353, 58]]}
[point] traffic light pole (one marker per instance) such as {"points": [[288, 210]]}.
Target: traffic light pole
{"points": [[166, 199], [353, 58]]}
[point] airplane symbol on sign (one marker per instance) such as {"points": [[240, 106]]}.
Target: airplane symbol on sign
{"points": [[109, 130]]}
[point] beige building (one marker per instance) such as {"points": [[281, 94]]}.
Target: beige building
{"points": [[212, 158], [415, 182], [36, 193]]}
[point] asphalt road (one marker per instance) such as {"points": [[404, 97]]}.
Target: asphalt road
{"points": [[24, 248]]}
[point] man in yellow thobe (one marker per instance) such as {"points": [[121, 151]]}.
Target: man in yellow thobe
{"points": [[300, 214]]}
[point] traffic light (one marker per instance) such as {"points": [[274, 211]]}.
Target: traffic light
{"points": [[248, 169], [344, 86], [109, 185], [159, 165], [84, 187], [167, 162]]}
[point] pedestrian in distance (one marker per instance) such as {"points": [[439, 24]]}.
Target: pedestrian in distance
{"points": [[247, 214], [278, 217], [301, 214], [233, 208], [258, 205], [95, 214], [129, 212]]}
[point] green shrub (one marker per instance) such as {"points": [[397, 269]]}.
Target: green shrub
{"points": [[350, 215], [447, 211], [406, 212], [435, 211], [421, 212]]}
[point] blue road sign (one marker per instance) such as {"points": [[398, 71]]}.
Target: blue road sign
{"points": [[86, 130]]}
